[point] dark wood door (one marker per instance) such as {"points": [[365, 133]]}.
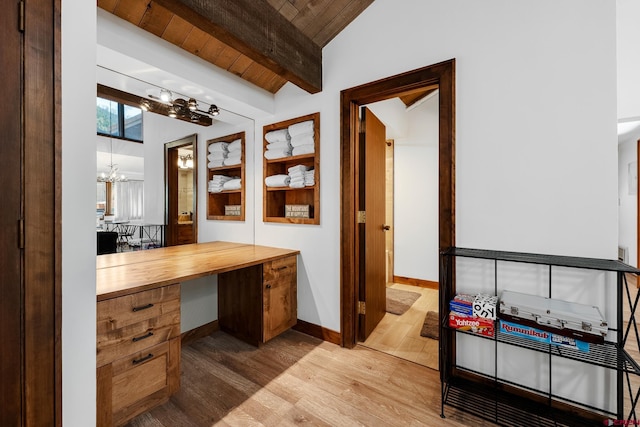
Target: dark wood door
{"points": [[371, 195], [10, 214]]}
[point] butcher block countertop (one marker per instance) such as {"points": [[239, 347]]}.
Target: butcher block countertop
{"points": [[126, 272]]}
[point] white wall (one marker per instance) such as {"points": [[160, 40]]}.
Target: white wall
{"points": [[78, 213], [518, 183], [415, 214], [536, 153]]}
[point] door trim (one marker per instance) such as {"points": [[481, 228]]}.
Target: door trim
{"points": [[442, 74]]}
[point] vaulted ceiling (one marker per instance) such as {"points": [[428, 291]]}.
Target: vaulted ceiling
{"points": [[265, 42]]}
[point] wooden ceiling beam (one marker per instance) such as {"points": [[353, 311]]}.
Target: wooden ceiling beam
{"points": [[256, 29]]}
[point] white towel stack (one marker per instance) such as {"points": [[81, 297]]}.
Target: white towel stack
{"points": [[302, 138], [296, 173], [217, 154], [278, 144], [280, 180], [233, 184], [309, 178], [216, 185], [234, 154]]}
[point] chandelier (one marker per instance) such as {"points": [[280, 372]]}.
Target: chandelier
{"points": [[113, 175]]}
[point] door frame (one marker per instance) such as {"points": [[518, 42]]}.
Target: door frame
{"points": [[171, 170], [442, 75]]}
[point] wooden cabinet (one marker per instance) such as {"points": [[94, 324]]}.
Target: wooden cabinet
{"points": [[279, 296], [257, 303], [138, 353], [275, 199], [226, 205]]}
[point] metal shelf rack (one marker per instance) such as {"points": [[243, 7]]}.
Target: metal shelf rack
{"points": [[507, 403]]}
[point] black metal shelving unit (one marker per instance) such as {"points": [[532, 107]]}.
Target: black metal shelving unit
{"points": [[509, 404]]}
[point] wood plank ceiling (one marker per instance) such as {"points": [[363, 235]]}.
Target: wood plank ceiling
{"points": [[216, 31]]}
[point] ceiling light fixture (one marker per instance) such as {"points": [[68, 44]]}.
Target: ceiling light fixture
{"points": [[213, 110], [180, 108], [165, 95], [113, 175], [185, 162]]}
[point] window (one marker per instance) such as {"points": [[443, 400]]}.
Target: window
{"points": [[118, 120]]}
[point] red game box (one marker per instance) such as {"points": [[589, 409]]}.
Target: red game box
{"points": [[478, 325]]}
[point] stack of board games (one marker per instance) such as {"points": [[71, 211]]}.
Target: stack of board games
{"points": [[474, 313]]}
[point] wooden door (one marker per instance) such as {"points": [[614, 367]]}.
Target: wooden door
{"points": [[10, 253], [180, 230], [371, 236]]}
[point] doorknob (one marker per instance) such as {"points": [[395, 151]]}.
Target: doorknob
{"points": [[386, 227]]}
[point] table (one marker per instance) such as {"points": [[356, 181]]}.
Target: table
{"points": [[138, 233], [138, 314]]}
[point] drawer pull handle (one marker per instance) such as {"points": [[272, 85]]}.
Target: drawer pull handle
{"points": [[147, 335], [282, 267], [142, 307], [268, 286], [143, 359]]}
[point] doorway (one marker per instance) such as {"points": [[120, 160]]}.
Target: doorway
{"points": [[409, 292], [440, 75], [181, 190]]}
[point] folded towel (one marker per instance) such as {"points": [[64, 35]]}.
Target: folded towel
{"points": [[218, 146], [296, 184], [277, 180], [303, 149], [231, 161], [309, 183], [299, 140], [215, 164], [217, 155], [300, 168], [276, 154], [300, 128], [280, 145], [296, 180], [277, 135], [235, 146], [233, 184]]}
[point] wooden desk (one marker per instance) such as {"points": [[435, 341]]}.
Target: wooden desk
{"points": [[138, 316]]}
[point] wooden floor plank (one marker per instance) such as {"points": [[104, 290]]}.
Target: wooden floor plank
{"points": [[297, 379]]}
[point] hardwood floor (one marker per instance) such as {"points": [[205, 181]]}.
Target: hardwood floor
{"points": [[297, 379], [399, 335]]}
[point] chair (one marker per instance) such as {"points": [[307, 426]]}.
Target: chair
{"points": [[107, 242]]}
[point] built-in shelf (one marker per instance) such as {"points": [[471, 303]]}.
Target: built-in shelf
{"points": [[218, 201], [276, 198]]}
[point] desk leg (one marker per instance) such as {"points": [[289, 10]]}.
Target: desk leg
{"points": [[240, 304]]}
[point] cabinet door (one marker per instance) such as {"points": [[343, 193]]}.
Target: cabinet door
{"points": [[280, 296]]}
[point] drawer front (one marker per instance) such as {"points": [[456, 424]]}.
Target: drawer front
{"points": [[143, 378], [133, 338], [127, 310], [283, 268]]}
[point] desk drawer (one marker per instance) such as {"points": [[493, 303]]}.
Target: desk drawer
{"points": [[127, 310], [280, 268], [133, 338], [143, 379]]}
